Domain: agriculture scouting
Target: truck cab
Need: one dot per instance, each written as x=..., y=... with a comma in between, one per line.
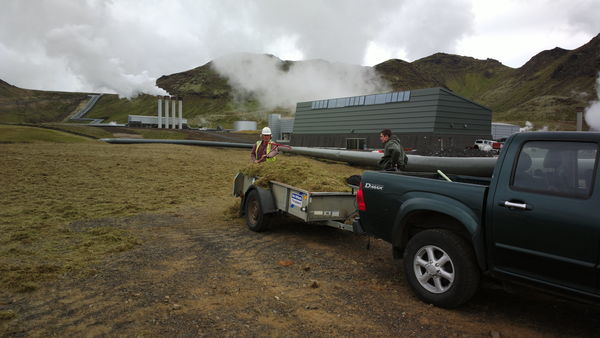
x=541, y=220
x=534, y=221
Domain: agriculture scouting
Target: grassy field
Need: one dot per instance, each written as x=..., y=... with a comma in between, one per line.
x=80, y=129
x=23, y=134
x=54, y=189
x=47, y=188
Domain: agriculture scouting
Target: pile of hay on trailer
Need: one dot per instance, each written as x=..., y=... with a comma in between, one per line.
x=304, y=173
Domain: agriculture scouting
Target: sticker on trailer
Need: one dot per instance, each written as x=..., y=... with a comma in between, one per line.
x=296, y=199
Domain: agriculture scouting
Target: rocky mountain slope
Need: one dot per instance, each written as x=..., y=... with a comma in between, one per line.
x=546, y=90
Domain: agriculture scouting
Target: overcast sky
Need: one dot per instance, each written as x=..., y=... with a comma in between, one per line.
x=123, y=46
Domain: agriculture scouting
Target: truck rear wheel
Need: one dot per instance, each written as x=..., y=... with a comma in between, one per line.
x=440, y=268
x=255, y=219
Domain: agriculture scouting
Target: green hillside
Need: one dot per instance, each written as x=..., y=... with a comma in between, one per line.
x=35, y=106
x=546, y=90
x=24, y=134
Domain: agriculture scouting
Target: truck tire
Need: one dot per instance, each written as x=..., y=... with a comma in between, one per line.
x=440, y=268
x=255, y=219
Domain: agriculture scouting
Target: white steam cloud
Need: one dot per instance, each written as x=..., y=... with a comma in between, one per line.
x=123, y=46
x=262, y=76
x=592, y=113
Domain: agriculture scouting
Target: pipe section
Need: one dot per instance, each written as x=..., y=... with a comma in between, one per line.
x=472, y=166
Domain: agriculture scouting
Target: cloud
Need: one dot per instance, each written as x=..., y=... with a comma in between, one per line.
x=592, y=113
x=263, y=77
x=514, y=31
x=124, y=45
x=422, y=28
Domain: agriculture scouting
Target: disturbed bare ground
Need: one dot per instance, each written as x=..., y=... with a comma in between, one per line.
x=198, y=271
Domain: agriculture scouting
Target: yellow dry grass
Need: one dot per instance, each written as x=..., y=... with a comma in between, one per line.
x=301, y=172
x=45, y=188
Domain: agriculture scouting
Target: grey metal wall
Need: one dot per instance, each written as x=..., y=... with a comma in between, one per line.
x=502, y=130
x=287, y=126
x=275, y=125
x=421, y=141
x=460, y=116
x=429, y=114
x=415, y=115
x=280, y=125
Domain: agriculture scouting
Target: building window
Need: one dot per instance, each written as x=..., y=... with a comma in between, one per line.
x=361, y=100
x=356, y=143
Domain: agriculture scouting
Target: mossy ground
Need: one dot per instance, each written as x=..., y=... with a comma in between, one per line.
x=48, y=189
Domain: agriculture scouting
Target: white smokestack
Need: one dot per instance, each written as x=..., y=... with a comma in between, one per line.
x=180, y=112
x=167, y=98
x=174, y=102
x=160, y=112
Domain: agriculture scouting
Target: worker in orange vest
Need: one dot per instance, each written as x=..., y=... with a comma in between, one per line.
x=264, y=150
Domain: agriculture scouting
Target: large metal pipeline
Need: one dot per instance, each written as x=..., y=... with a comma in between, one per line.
x=473, y=166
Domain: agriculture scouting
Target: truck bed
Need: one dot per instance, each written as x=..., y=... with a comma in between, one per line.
x=385, y=194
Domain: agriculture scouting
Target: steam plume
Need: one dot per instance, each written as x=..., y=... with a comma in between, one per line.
x=592, y=113
x=264, y=77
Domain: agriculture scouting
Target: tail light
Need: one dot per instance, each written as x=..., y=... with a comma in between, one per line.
x=360, y=199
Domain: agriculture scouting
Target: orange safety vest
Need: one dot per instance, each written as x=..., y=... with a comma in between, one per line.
x=267, y=151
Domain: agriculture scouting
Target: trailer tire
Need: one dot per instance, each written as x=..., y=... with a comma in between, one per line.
x=255, y=218
x=440, y=268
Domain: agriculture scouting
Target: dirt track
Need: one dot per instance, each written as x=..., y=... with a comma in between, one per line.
x=199, y=273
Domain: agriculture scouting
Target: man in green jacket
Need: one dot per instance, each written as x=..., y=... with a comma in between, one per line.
x=394, y=157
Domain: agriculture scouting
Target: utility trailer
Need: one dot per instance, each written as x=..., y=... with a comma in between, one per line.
x=259, y=205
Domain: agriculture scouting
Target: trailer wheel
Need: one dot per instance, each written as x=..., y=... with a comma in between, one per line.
x=440, y=268
x=255, y=219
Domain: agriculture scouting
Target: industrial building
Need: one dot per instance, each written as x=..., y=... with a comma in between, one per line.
x=172, y=119
x=153, y=122
x=281, y=127
x=244, y=125
x=503, y=130
x=432, y=118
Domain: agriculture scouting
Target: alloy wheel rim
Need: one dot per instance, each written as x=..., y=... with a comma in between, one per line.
x=434, y=269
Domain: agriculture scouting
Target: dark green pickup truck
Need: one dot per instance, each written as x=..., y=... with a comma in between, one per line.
x=536, y=220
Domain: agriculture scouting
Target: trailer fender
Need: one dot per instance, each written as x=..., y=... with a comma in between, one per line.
x=267, y=201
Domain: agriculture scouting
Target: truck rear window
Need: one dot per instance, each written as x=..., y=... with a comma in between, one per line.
x=556, y=168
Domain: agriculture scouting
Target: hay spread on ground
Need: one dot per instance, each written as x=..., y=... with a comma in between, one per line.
x=304, y=173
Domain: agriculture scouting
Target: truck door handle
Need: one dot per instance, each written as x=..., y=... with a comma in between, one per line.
x=508, y=204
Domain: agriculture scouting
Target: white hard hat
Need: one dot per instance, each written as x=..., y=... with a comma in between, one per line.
x=266, y=131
